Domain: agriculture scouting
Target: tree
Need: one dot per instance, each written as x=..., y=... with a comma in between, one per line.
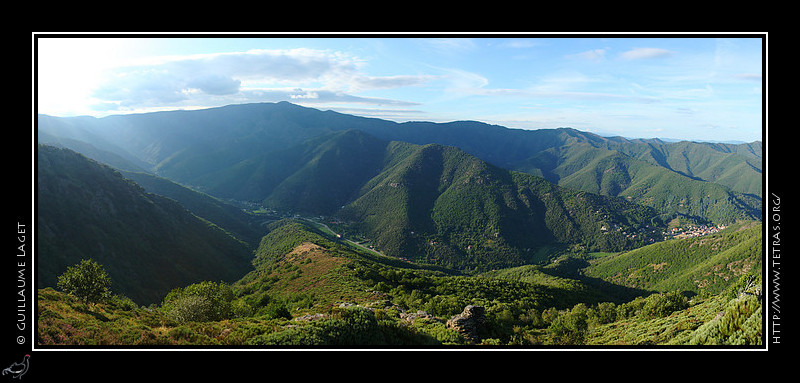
x=570, y=328
x=87, y=281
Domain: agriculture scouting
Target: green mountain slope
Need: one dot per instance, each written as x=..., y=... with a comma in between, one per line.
x=238, y=152
x=702, y=264
x=440, y=205
x=149, y=244
x=738, y=167
x=433, y=203
x=584, y=166
x=331, y=174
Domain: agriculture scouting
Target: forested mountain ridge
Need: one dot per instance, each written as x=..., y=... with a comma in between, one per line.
x=609, y=172
x=198, y=148
x=431, y=204
x=436, y=204
x=440, y=205
x=150, y=244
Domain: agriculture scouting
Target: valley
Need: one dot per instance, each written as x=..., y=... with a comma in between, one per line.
x=306, y=228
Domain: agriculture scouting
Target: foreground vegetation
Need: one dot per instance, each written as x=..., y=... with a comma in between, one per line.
x=308, y=290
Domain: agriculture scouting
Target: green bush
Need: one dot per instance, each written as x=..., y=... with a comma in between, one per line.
x=662, y=305
x=294, y=336
x=606, y=312
x=657, y=305
x=122, y=302
x=199, y=302
x=275, y=310
x=570, y=328
x=345, y=327
x=87, y=281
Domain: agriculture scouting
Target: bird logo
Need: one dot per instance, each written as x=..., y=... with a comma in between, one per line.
x=18, y=369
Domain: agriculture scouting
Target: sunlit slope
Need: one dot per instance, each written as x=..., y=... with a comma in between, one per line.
x=701, y=264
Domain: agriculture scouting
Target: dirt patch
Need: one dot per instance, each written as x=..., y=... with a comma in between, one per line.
x=306, y=247
x=658, y=267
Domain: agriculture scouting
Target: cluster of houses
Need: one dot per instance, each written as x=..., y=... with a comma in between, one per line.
x=692, y=231
x=674, y=233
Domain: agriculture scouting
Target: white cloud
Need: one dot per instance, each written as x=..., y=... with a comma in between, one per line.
x=749, y=76
x=645, y=53
x=388, y=82
x=252, y=76
x=451, y=45
x=520, y=43
x=593, y=54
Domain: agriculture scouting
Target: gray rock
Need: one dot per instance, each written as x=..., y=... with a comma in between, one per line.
x=469, y=323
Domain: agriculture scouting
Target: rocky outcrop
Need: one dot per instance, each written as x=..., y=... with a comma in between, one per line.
x=469, y=323
x=411, y=317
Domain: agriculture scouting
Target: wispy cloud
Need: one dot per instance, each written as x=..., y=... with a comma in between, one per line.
x=520, y=43
x=748, y=76
x=450, y=45
x=592, y=54
x=256, y=75
x=645, y=53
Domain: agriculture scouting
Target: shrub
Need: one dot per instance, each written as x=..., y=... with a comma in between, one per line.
x=200, y=302
x=571, y=327
x=87, y=281
x=294, y=336
x=654, y=306
x=347, y=327
x=275, y=310
x=122, y=302
x=662, y=305
x=606, y=312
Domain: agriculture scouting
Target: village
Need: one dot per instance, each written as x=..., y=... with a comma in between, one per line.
x=673, y=233
x=692, y=231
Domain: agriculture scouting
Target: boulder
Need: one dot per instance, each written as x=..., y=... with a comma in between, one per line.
x=469, y=323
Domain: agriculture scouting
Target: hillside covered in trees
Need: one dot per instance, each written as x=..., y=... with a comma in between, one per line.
x=310, y=290
x=278, y=226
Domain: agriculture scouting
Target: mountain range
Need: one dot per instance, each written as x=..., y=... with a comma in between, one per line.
x=464, y=195
x=211, y=148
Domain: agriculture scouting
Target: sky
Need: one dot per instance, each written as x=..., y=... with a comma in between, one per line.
x=694, y=87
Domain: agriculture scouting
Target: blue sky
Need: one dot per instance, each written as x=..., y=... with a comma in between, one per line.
x=685, y=87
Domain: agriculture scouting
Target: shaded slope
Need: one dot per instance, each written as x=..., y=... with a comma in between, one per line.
x=230, y=218
x=149, y=244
